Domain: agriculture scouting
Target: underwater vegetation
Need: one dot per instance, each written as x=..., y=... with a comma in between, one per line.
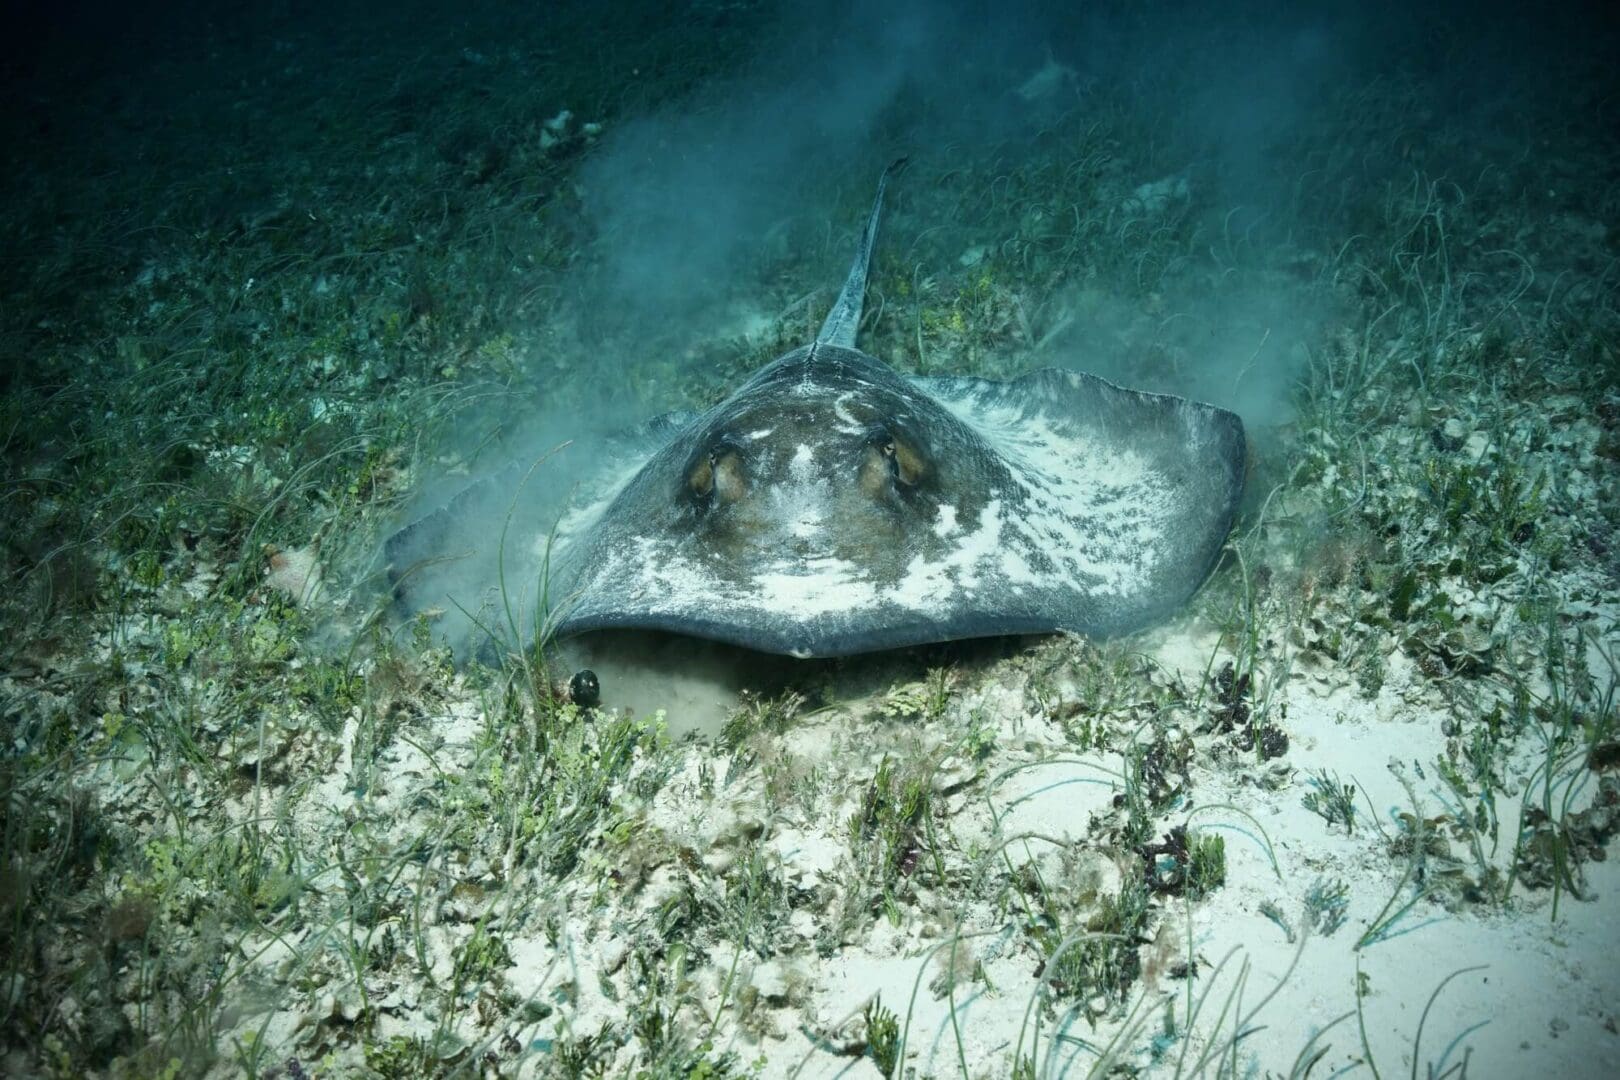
x=275, y=284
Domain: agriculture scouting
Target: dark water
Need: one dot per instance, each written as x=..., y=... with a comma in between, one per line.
x=394, y=159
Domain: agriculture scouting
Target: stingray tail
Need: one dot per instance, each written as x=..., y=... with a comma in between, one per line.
x=845, y=317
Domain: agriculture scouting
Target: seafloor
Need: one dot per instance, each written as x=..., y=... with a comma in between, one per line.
x=275, y=275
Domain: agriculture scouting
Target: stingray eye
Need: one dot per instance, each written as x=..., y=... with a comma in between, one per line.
x=905, y=462
x=718, y=476
x=701, y=478
x=889, y=462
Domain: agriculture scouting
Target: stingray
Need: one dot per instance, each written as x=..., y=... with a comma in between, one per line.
x=832, y=505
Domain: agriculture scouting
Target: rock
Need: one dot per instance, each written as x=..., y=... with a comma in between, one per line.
x=771, y=980
x=344, y=1007
x=1158, y=195
x=610, y=957
x=1450, y=435
x=953, y=775
x=1046, y=81
x=295, y=574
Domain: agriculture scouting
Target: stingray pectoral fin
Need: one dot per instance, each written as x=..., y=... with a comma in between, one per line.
x=1127, y=496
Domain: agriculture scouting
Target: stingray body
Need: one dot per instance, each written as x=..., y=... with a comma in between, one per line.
x=833, y=506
